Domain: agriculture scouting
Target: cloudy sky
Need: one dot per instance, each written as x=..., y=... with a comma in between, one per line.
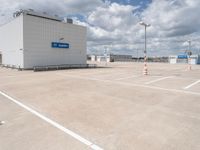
x=114, y=24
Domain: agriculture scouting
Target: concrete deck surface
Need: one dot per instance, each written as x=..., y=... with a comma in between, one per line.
x=115, y=108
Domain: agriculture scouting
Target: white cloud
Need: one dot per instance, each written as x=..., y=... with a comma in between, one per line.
x=173, y=17
x=114, y=16
x=112, y=23
x=173, y=22
x=59, y=7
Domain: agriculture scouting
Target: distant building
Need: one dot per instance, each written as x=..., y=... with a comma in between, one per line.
x=103, y=58
x=93, y=57
x=195, y=59
x=183, y=58
x=121, y=57
x=173, y=59
x=111, y=58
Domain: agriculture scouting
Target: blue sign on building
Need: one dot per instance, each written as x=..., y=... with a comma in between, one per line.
x=182, y=56
x=59, y=45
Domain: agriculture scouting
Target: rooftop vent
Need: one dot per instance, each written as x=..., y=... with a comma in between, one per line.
x=68, y=20
x=18, y=13
x=30, y=10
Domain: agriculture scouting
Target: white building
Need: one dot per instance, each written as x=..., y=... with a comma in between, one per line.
x=173, y=59
x=183, y=58
x=93, y=57
x=33, y=39
x=195, y=59
x=103, y=58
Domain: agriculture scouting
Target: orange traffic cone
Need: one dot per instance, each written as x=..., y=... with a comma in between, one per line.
x=189, y=64
x=145, y=70
x=189, y=67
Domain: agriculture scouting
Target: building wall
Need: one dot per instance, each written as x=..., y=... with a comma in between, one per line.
x=0, y=58
x=93, y=58
x=121, y=57
x=173, y=60
x=11, y=43
x=40, y=32
x=195, y=59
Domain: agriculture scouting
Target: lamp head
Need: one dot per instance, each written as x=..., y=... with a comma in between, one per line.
x=144, y=24
x=148, y=25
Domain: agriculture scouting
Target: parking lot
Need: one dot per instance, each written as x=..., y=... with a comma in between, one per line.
x=113, y=107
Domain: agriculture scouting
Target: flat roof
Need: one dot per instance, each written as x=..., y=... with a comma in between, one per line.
x=113, y=107
x=42, y=15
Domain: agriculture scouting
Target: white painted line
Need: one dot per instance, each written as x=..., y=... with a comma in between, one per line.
x=155, y=76
x=126, y=78
x=160, y=79
x=110, y=74
x=189, y=86
x=131, y=84
x=17, y=76
x=53, y=123
x=93, y=73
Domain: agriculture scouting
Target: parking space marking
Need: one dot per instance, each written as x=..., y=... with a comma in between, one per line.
x=160, y=79
x=110, y=74
x=93, y=73
x=131, y=84
x=189, y=86
x=133, y=76
x=18, y=75
x=53, y=123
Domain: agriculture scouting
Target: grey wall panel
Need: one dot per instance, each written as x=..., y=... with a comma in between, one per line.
x=11, y=42
x=40, y=32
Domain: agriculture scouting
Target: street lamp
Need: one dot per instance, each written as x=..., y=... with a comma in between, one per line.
x=145, y=70
x=105, y=54
x=189, y=53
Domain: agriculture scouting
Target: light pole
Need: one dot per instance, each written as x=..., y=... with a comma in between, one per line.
x=145, y=70
x=137, y=55
x=189, y=53
x=105, y=54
